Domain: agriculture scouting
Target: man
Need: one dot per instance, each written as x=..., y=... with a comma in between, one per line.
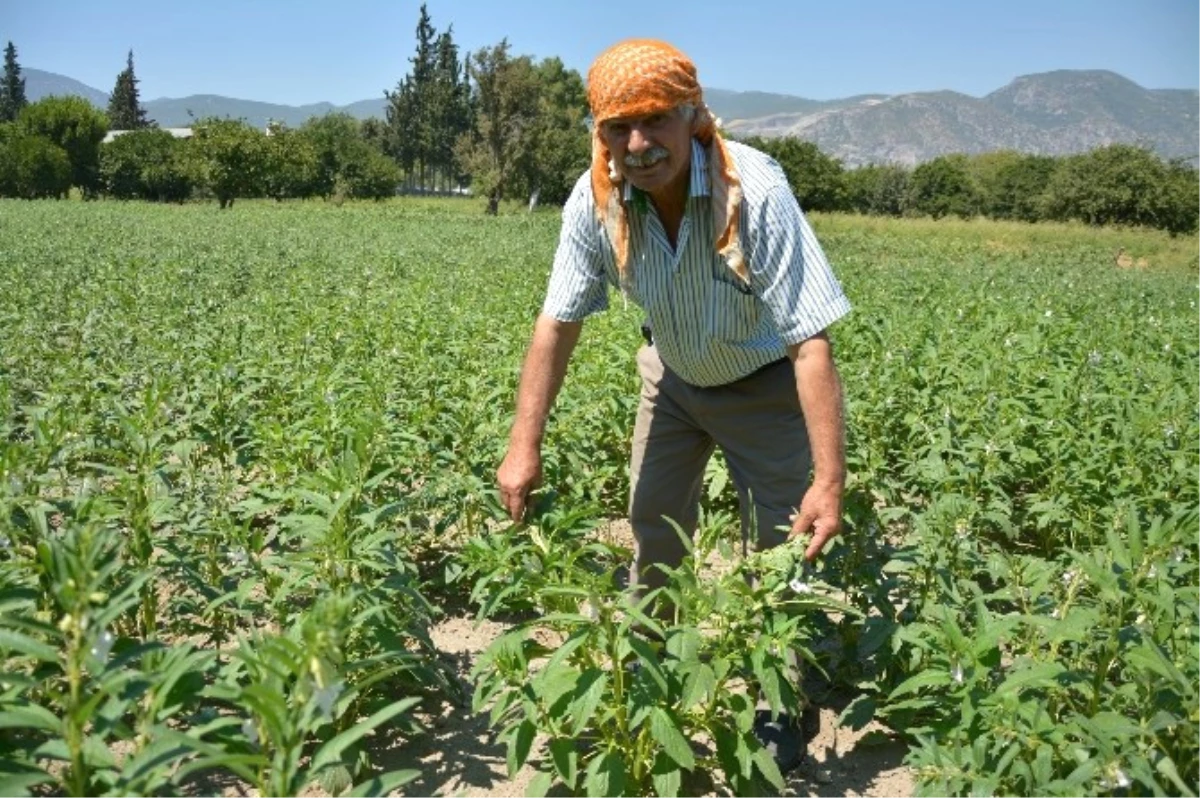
x=706, y=237
x=740, y=356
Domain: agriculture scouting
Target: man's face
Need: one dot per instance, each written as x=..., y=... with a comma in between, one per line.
x=653, y=152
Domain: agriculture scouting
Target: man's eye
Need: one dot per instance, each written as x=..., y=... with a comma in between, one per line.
x=654, y=120
x=618, y=129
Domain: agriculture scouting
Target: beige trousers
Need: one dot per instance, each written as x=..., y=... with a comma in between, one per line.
x=760, y=428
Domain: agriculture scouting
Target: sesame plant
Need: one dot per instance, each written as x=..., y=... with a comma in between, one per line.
x=247, y=463
x=637, y=694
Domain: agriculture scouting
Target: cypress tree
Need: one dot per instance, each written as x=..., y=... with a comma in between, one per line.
x=12, y=90
x=124, y=110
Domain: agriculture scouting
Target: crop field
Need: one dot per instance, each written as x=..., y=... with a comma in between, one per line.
x=247, y=459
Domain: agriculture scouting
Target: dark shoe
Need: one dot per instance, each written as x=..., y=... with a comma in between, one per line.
x=782, y=737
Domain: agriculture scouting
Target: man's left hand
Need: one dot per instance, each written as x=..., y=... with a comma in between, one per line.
x=821, y=514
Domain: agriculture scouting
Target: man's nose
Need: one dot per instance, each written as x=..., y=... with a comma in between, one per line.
x=638, y=140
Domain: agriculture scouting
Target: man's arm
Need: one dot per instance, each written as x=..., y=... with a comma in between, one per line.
x=820, y=391
x=541, y=377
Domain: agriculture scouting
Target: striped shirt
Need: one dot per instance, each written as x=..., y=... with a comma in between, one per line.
x=710, y=327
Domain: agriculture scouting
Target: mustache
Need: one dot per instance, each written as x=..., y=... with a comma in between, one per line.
x=648, y=158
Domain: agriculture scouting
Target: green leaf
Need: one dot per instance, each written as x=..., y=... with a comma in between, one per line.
x=30, y=716
x=19, y=783
x=383, y=783
x=589, y=691
x=331, y=752
x=928, y=678
x=519, y=744
x=1042, y=674
x=665, y=730
x=606, y=775
x=666, y=776
x=858, y=713
x=765, y=763
x=20, y=644
x=699, y=684
x=564, y=755
x=1166, y=767
x=539, y=785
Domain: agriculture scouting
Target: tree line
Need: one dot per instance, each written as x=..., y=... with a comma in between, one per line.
x=1120, y=184
x=510, y=127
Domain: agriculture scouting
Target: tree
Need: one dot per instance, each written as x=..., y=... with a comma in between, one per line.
x=498, y=152
x=292, y=167
x=943, y=187
x=145, y=164
x=1117, y=184
x=1013, y=184
x=228, y=158
x=879, y=190
x=563, y=144
x=31, y=166
x=347, y=164
x=815, y=178
x=124, y=110
x=12, y=90
x=72, y=123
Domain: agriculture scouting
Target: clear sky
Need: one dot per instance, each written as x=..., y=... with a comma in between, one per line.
x=342, y=51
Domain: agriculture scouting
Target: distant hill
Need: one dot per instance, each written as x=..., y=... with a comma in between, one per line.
x=39, y=84
x=1051, y=113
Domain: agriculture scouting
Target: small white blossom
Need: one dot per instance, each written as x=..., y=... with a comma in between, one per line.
x=1095, y=358
x=237, y=557
x=1056, y=614
x=327, y=696
x=800, y=586
x=1068, y=577
x=250, y=731
x=103, y=645
x=956, y=673
x=1115, y=778
x=1049, y=313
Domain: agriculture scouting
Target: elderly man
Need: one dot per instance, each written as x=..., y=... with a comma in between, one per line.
x=706, y=237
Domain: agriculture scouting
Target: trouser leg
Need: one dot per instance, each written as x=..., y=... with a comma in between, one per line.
x=670, y=451
x=760, y=429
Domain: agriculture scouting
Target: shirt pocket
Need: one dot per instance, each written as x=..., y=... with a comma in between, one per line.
x=733, y=312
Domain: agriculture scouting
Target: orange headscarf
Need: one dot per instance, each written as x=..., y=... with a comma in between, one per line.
x=645, y=76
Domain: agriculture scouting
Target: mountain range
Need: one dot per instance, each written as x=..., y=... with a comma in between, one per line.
x=1048, y=113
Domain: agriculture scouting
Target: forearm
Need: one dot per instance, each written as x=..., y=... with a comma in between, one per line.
x=820, y=391
x=541, y=378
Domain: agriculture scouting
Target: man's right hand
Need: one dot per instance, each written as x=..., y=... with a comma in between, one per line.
x=519, y=474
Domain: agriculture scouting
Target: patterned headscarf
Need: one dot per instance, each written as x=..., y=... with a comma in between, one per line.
x=646, y=76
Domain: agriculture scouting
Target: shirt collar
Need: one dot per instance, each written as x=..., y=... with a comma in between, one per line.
x=698, y=179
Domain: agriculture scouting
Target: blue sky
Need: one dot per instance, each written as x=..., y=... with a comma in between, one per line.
x=342, y=51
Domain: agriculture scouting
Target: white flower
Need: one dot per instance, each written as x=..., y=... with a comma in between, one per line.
x=800, y=586
x=1068, y=577
x=250, y=731
x=1049, y=313
x=956, y=673
x=1094, y=358
x=1115, y=778
x=327, y=696
x=1056, y=614
x=103, y=645
x=237, y=557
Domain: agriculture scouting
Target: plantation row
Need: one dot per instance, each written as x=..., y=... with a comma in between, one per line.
x=246, y=463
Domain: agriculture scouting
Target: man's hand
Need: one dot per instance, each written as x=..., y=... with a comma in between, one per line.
x=519, y=474
x=821, y=514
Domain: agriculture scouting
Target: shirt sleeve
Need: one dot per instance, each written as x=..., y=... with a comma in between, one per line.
x=578, y=285
x=789, y=271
